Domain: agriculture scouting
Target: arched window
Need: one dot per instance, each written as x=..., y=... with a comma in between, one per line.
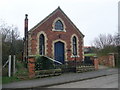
x=59, y=25
x=74, y=46
x=42, y=44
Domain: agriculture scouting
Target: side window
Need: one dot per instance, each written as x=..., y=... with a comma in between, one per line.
x=74, y=43
x=42, y=45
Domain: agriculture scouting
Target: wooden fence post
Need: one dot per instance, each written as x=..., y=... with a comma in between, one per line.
x=14, y=65
x=9, y=66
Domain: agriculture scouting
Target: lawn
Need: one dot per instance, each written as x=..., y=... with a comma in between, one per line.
x=9, y=79
x=90, y=54
x=21, y=74
x=0, y=80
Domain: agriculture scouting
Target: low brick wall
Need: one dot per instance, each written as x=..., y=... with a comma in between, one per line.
x=81, y=69
x=47, y=73
x=107, y=60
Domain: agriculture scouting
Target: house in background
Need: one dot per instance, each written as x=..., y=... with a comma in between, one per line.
x=56, y=37
x=89, y=54
x=89, y=50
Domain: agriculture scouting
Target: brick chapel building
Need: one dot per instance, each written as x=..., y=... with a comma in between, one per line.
x=56, y=37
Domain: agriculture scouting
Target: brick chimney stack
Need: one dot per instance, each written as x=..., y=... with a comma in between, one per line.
x=26, y=39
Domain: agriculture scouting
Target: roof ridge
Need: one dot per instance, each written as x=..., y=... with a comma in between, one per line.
x=53, y=13
x=44, y=19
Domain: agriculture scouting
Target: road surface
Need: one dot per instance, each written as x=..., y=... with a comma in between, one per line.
x=62, y=79
x=110, y=81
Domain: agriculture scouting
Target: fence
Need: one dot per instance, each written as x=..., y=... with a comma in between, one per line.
x=10, y=65
x=69, y=66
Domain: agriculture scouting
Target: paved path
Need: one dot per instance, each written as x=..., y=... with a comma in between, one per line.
x=64, y=78
x=102, y=67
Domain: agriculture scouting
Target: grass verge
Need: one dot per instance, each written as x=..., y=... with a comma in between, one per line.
x=6, y=79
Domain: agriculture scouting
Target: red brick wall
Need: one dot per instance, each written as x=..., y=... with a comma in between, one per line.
x=53, y=35
x=104, y=60
x=107, y=60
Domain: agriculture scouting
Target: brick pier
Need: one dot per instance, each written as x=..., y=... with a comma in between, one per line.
x=31, y=66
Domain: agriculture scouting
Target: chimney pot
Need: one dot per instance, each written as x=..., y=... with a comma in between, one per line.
x=26, y=15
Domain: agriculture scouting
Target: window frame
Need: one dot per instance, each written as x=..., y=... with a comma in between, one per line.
x=78, y=44
x=53, y=25
x=74, y=43
x=59, y=25
x=42, y=44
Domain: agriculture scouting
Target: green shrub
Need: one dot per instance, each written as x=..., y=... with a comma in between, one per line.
x=21, y=72
x=5, y=71
x=106, y=50
x=19, y=65
x=117, y=60
x=43, y=63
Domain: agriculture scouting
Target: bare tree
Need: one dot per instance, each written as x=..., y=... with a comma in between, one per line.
x=105, y=44
x=10, y=37
x=6, y=32
x=116, y=39
x=103, y=40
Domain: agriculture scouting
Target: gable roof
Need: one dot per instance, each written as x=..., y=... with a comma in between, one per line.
x=58, y=9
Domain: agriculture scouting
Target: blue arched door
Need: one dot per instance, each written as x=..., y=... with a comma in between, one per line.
x=59, y=51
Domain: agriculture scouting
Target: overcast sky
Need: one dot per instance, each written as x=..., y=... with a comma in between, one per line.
x=92, y=17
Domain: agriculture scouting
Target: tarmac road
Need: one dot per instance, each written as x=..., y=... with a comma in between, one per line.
x=110, y=81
